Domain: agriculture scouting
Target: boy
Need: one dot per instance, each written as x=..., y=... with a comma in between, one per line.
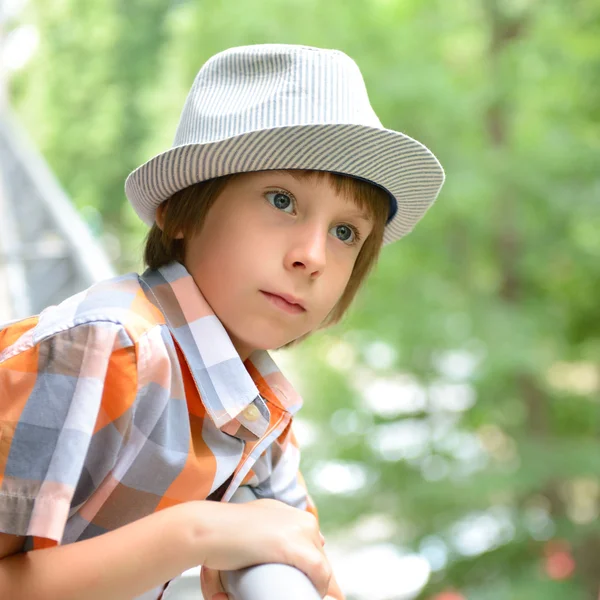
x=133, y=411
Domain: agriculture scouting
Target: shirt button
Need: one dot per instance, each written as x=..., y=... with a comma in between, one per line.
x=251, y=413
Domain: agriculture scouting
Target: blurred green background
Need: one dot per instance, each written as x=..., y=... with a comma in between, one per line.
x=451, y=425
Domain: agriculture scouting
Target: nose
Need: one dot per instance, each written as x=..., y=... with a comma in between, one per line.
x=307, y=251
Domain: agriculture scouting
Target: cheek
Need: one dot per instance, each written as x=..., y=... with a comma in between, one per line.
x=223, y=262
x=216, y=263
x=225, y=243
x=237, y=234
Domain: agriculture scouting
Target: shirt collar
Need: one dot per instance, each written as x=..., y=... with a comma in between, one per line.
x=225, y=383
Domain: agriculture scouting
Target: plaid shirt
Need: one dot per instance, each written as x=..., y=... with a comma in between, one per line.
x=128, y=398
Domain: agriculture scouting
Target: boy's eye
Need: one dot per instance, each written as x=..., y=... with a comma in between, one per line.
x=285, y=202
x=281, y=201
x=345, y=234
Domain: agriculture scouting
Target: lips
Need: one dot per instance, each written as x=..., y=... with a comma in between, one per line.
x=285, y=302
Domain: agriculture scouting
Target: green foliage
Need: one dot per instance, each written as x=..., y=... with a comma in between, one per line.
x=504, y=270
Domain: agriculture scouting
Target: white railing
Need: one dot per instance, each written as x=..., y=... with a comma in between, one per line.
x=47, y=252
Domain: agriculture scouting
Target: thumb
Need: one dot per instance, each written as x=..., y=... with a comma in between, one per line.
x=212, y=588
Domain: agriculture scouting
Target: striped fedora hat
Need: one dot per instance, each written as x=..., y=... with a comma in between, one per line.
x=280, y=106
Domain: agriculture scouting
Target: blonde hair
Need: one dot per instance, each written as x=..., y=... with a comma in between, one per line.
x=186, y=212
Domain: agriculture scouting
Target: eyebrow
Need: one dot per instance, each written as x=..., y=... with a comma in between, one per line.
x=364, y=215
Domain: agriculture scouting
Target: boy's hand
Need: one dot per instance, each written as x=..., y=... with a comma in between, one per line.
x=212, y=588
x=260, y=532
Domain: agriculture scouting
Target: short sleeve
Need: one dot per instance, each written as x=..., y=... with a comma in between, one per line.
x=286, y=482
x=50, y=395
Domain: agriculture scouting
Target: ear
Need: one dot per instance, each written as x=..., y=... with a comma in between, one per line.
x=160, y=217
x=160, y=214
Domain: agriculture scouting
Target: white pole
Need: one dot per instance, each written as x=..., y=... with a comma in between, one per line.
x=3, y=93
x=5, y=309
x=14, y=300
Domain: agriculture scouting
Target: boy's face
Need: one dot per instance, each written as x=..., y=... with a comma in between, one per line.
x=270, y=235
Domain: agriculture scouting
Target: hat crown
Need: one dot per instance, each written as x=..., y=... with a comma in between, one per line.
x=250, y=88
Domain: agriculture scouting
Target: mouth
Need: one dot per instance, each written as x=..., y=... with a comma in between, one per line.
x=285, y=302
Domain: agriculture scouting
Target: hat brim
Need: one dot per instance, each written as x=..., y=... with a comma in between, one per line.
x=403, y=166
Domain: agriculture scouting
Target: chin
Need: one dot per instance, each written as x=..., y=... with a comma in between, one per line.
x=262, y=339
x=270, y=342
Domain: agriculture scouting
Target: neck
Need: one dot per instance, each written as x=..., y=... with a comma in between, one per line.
x=243, y=349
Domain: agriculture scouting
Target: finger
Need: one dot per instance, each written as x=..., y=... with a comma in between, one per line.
x=212, y=588
x=318, y=570
x=322, y=539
